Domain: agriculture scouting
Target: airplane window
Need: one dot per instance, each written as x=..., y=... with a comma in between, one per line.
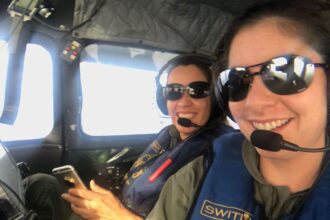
x=35, y=114
x=119, y=90
x=3, y=73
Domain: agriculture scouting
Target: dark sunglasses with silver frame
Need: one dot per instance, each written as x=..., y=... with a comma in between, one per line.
x=196, y=90
x=284, y=75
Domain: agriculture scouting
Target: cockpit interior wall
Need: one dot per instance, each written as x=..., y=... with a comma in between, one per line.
x=179, y=25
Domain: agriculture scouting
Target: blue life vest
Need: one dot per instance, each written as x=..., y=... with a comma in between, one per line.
x=142, y=187
x=228, y=189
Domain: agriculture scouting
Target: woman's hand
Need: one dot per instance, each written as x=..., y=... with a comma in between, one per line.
x=97, y=204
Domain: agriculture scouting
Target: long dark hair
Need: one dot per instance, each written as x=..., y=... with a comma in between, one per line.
x=306, y=19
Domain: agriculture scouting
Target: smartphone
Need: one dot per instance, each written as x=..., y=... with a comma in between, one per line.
x=68, y=176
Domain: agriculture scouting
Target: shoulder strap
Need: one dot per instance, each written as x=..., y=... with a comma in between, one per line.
x=154, y=150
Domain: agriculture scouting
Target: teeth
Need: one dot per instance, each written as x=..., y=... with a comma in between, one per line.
x=185, y=115
x=270, y=125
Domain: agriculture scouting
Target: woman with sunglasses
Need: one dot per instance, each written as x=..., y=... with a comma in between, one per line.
x=188, y=98
x=277, y=89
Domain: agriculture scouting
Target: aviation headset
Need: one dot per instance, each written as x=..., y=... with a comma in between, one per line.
x=222, y=99
x=183, y=60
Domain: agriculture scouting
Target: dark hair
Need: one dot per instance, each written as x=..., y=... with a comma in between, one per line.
x=306, y=19
x=201, y=62
x=303, y=18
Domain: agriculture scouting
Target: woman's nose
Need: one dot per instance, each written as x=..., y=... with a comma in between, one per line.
x=259, y=95
x=185, y=99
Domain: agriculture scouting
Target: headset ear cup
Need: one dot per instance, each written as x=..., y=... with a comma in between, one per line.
x=222, y=101
x=215, y=110
x=219, y=106
x=161, y=101
x=328, y=99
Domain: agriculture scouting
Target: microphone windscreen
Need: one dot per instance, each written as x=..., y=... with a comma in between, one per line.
x=266, y=140
x=185, y=122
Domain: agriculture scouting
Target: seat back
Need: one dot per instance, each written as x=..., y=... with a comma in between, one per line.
x=11, y=187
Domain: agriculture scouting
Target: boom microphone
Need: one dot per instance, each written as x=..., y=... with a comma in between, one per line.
x=271, y=141
x=185, y=122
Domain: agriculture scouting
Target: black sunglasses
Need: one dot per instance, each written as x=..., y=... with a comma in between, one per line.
x=196, y=90
x=284, y=75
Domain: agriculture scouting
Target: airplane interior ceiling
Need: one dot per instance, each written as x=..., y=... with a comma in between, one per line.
x=174, y=25
x=183, y=26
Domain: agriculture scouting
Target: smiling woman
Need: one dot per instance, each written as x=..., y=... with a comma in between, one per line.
x=277, y=55
x=189, y=105
x=87, y=96
x=187, y=94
